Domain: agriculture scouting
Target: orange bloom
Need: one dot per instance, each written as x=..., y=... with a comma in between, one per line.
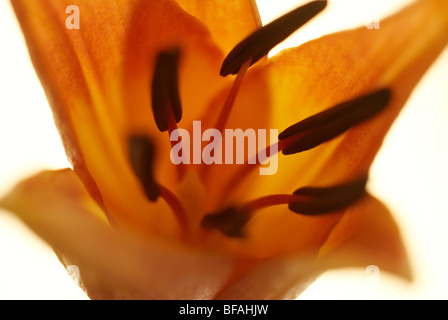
x=136, y=225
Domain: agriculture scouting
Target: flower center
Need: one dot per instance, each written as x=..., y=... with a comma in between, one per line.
x=304, y=135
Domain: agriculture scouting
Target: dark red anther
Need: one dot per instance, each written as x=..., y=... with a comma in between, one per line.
x=165, y=89
x=330, y=123
x=260, y=42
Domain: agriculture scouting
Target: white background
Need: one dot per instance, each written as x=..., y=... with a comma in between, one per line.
x=410, y=173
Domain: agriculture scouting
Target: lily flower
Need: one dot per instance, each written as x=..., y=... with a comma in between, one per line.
x=140, y=227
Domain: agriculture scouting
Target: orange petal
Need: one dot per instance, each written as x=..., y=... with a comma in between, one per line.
x=339, y=67
x=278, y=230
x=96, y=80
x=112, y=264
x=366, y=235
x=162, y=24
x=283, y=277
x=228, y=21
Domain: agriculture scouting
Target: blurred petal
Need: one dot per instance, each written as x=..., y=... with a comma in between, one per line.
x=283, y=277
x=57, y=207
x=228, y=21
x=113, y=264
x=366, y=235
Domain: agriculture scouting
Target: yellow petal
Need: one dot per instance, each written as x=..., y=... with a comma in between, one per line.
x=113, y=264
x=228, y=21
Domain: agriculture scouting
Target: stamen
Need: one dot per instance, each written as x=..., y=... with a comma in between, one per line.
x=230, y=221
x=242, y=173
x=306, y=201
x=172, y=126
x=230, y=101
x=142, y=154
x=269, y=201
x=330, y=123
x=165, y=91
x=228, y=105
x=318, y=129
x=176, y=207
x=260, y=42
x=315, y=201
